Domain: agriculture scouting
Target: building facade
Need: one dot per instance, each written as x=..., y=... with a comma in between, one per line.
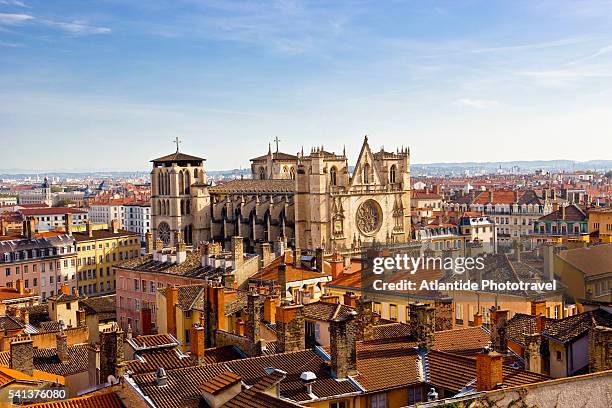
x=320, y=204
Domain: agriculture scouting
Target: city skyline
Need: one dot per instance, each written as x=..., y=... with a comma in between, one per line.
x=109, y=85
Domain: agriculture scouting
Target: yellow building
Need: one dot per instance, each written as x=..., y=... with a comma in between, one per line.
x=587, y=272
x=98, y=251
x=600, y=225
x=178, y=309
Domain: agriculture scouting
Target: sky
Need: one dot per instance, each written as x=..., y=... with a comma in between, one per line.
x=109, y=84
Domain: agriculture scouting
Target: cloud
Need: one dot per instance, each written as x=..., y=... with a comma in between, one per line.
x=14, y=18
x=78, y=27
x=602, y=51
x=476, y=103
x=15, y=3
x=563, y=77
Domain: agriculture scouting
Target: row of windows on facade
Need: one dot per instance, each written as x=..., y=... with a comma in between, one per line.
x=26, y=254
x=563, y=229
x=134, y=305
x=163, y=207
x=92, y=288
x=43, y=268
x=91, y=260
x=608, y=226
x=509, y=209
x=184, y=182
x=93, y=273
x=139, y=284
x=75, y=217
x=121, y=242
x=43, y=282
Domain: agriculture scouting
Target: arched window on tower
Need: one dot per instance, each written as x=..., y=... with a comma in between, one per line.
x=181, y=182
x=187, y=206
x=366, y=173
x=392, y=174
x=187, y=182
x=292, y=173
x=262, y=173
x=195, y=176
x=333, y=176
x=182, y=207
x=159, y=184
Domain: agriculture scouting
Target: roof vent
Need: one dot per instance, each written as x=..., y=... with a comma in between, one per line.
x=160, y=377
x=308, y=378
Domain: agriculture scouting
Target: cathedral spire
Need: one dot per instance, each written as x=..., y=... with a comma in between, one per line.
x=269, y=149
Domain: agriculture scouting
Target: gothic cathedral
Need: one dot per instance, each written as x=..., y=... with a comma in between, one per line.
x=309, y=201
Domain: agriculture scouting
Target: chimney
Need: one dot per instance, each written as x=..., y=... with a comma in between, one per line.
x=297, y=256
x=3, y=227
x=215, y=317
x=364, y=320
x=350, y=299
x=538, y=307
x=270, y=310
x=161, y=379
x=549, y=262
x=279, y=247
x=540, y=323
x=19, y=286
x=65, y=289
x=129, y=333
x=22, y=354
x=319, y=259
x=343, y=346
x=290, y=328
x=237, y=252
x=253, y=318
x=146, y=319
x=533, y=355
x=81, y=318
x=282, y=280
x=517, y=250
x=68, y=223
x=198, y=342
x=171, y=302
x=181, y=252
x=477, y=320
x=149, y=241
x=93, y=363
x=25, y=315
x=266, y=254
x=422, y=320
x=600, y=352
x=488, y=370
x=88, y=229
x=562, y=212
x=159, y=246
x=499, y=323
x=329, y=298
x=337, y=266
x=30, y=228
x=111, y=352
x=114, y=227
x=62, y=346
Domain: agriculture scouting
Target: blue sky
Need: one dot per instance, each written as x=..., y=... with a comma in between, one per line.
x=108, y=84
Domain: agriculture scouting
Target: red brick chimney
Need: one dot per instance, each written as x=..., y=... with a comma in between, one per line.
x=270, y=310
x=114, y=227
x=540, y=324
x=489, y=372
x=19, y=286
x=171, y=302
x=337, y=266
x=68, y=223
x=65, y=289
x=477, y=319
x=198, y=345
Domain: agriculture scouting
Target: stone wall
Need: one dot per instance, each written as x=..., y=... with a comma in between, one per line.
x=75, y=335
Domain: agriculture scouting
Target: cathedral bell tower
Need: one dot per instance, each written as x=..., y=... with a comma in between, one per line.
x=177, y=181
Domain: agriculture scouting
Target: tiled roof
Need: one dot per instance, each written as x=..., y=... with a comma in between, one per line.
x=104, y=399
x=153, y=341
x=465, y=341
x=573, y=327
x=148, y=361
x=277, y=156
x=47, y=360
x=220, y=382
x=10, y=323
x=256, y=399
x=324, y=311
x=592, y=261
x=572, y=213
x=248, y=186
x=82, y=236
x=101, y=305
x=191, y=296
x=454, y=372
x=293, y=273
x=391, y=330
x=182, y=384
x=386, y=368
x=521, y=324
x=51, y=211
x=63, y=298
x=177, y=157
x=423, y=195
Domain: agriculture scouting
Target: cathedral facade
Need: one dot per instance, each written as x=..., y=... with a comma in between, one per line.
x=309, y=201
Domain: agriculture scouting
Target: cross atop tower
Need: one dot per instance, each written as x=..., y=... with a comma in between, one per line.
x=276, y=140
x=177, y=141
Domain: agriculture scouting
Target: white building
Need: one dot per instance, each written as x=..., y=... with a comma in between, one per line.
x=138, y=218
x=50, y=218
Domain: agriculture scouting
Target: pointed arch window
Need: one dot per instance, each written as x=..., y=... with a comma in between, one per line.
x=292, y=173
x=181, y=182
x=366, y=173
x=333, y=176
x=393, y=174
x=262, y=173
